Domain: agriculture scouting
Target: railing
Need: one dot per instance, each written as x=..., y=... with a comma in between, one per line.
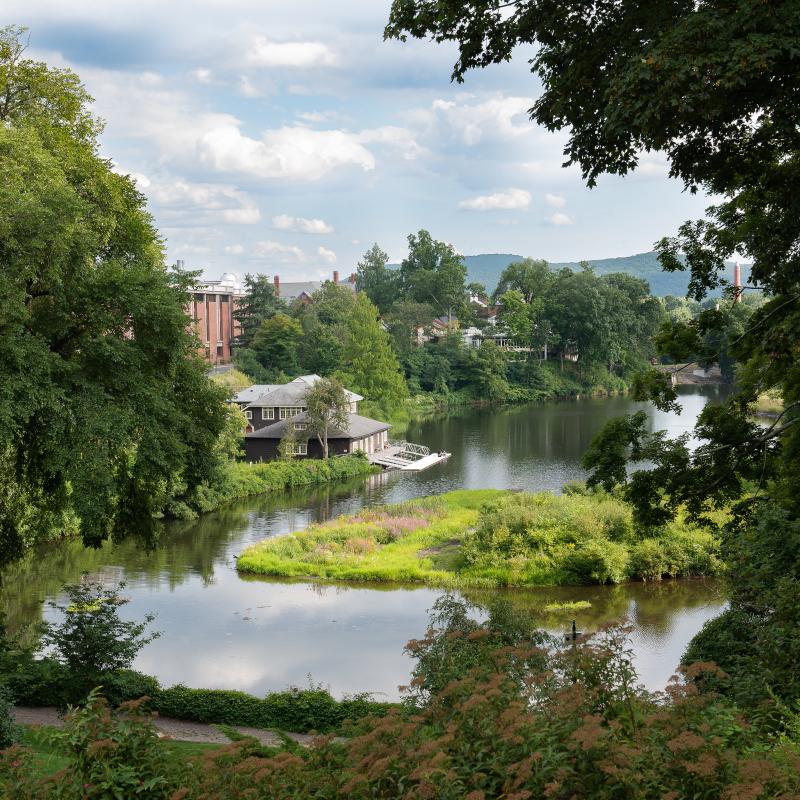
x=408, y=451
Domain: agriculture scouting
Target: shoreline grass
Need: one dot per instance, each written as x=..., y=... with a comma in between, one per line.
x=488, y=539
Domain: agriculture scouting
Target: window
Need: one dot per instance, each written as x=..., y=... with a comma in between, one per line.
x=291, y=411
x=299, y=449
x=267, y=413
x=301, y=426
x=248, y=414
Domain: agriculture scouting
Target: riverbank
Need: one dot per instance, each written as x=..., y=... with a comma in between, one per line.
x=543, y=382
x=488, y=538
x=240, y=480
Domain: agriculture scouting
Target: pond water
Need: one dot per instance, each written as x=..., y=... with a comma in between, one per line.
x=221, y=630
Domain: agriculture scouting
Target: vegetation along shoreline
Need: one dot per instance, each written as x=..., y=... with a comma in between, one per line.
x=490, y=538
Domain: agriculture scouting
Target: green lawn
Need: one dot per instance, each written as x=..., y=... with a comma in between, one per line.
x=49, y=756
x=488, y=538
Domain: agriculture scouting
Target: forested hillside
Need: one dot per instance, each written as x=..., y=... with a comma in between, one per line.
x=486, y=269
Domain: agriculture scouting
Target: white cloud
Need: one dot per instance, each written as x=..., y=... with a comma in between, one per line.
x=293, y=153
x=235, y=249
x=316, y=116
x=497, y=117
x=555, y=200
x=401, y=139
x=284, y=222
x=202, y=75
x=509, y=199
x=560, y=218
x=282, y=253
x=264, y=53
x=246, y=88
x=327, y=255
x=242, y=216
x=199, y=203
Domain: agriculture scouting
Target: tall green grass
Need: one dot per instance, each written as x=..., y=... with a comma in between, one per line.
x=489, y=538
x=241, y=479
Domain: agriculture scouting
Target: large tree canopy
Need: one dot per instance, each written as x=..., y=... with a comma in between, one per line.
x=715, y=86
x=103, y=401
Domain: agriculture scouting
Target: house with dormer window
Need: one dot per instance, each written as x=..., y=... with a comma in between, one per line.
x=275, y=412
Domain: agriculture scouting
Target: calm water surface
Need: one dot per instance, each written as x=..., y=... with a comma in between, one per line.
x=223, y=630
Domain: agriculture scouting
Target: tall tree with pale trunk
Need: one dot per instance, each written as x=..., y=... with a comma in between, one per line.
x=327, y=407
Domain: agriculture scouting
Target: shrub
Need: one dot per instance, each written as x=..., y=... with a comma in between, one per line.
x=92, y=640
x=648, y=560
x=291, y=710
x=127, y=684
x=114, y=756
x=8, y=730
x=597, y=561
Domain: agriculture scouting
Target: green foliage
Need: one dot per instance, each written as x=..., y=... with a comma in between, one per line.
x=712, y=86
x=376, y=280
x=755, y=641
x=95, y=328
x=258, y=304
x=297, y=710
x=433, y=273
x=369, y=365
x=8, y=730
x=327, y=409
x=92, y=640
x=456, y=645
x=113, y=756
x=276, y=342
x=529, y=277
x=485, y=539
x=512, y=720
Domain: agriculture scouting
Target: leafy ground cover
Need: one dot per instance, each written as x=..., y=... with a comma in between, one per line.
x=240, y=479
x=489, y=538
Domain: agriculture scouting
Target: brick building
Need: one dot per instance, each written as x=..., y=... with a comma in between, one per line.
x=213, y=304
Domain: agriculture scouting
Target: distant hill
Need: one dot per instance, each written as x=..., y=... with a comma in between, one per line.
x=486, y=269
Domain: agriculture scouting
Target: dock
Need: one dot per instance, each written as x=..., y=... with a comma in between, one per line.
x=406, y=456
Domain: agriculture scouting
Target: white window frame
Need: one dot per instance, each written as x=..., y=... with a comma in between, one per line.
x=301, y=426
x=287, y=412
x=267, y=413
x=299, y=449
x=248, y=413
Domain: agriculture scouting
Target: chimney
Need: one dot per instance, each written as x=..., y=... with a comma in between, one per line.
x=352, y=277
x=737, y=283
x=336, y=276
x=277, y=281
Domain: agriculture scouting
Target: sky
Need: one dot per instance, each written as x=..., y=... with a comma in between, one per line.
x=285, y=137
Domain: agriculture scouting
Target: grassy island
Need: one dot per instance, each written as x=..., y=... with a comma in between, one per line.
x=489, y=538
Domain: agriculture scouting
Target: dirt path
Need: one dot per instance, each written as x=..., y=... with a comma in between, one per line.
x=173, y=728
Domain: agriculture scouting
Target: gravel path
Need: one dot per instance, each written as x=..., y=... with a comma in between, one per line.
x=173, y=728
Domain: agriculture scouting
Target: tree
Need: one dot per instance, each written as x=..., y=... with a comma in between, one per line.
x=376, y=280
x=713, y=86
x=327, y=408
x=530, y=277
x=258, y=304
x=92, y=640
x=370, y=366
x=103, y=399
x=276, y=343
x=435, y=274
x=488, y=372
x=403, y=321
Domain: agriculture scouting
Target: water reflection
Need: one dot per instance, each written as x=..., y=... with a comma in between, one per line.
x=221, y=630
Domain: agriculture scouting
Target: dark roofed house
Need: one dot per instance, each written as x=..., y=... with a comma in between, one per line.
x=367, y=435
x=275, y=408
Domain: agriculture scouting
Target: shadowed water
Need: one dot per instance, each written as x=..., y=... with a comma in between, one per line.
x=254, y=634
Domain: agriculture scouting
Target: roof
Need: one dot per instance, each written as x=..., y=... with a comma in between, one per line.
x=294, y=289
x=254, y=392
x=357, y=428
x=291, y=394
